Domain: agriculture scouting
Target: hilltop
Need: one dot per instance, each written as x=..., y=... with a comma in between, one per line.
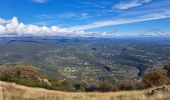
x=11, y=91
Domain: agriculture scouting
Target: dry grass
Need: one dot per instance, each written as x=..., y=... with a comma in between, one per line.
x=10, y=91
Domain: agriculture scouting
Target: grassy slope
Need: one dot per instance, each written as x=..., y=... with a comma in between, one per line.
x=10, y=91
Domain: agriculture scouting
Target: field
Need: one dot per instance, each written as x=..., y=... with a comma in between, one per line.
x=11, y=91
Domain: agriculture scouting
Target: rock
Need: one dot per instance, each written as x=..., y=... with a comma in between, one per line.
x=44, y=81
x=160, y=90
x=47, y=82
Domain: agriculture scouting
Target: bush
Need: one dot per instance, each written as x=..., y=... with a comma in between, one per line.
x=65, y=85
x=140, y=86
x=5, y=77
x=105, y=87
x=80, y=87
x=155, y=78
x=167, y=68
x=18, y=73
x=126, y=85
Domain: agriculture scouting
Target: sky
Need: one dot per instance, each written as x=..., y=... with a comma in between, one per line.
x=85, y=18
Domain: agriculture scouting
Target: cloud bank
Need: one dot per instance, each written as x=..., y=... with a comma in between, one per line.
x=14, y=27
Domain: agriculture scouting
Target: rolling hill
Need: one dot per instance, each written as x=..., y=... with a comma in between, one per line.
x=110, y=59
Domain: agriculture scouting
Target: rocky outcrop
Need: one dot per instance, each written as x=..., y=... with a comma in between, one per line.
x=160, y=90
x=44, y=81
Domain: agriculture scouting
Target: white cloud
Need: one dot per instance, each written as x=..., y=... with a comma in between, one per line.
x=2, y=21
x=40, y=1
x=73, y=15
x=147, y=17
x=14, y=27
x=44, y=16
x=67, y=15
x=131, y=4
x=84, y=16
x=2, y=29
x=155, y=31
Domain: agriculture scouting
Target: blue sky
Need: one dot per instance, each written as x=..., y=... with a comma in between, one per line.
x=103, y=18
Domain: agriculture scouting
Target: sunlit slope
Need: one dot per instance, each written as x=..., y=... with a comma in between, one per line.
x=10, y=91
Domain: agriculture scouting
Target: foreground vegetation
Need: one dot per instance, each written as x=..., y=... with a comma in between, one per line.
x=10, y=91
x=29, y=75
x=127, y=90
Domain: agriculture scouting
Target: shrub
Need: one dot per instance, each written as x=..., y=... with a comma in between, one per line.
x=155, y=78
x=126, y=85
x=80, y=87
x=140, y=86
x=91, y=89
x=5, y=77
x=65, y=86
x=18, y=73
x=105, y=87
x=167, y=68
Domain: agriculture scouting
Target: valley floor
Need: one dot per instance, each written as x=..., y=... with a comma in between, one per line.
x=11, y=91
